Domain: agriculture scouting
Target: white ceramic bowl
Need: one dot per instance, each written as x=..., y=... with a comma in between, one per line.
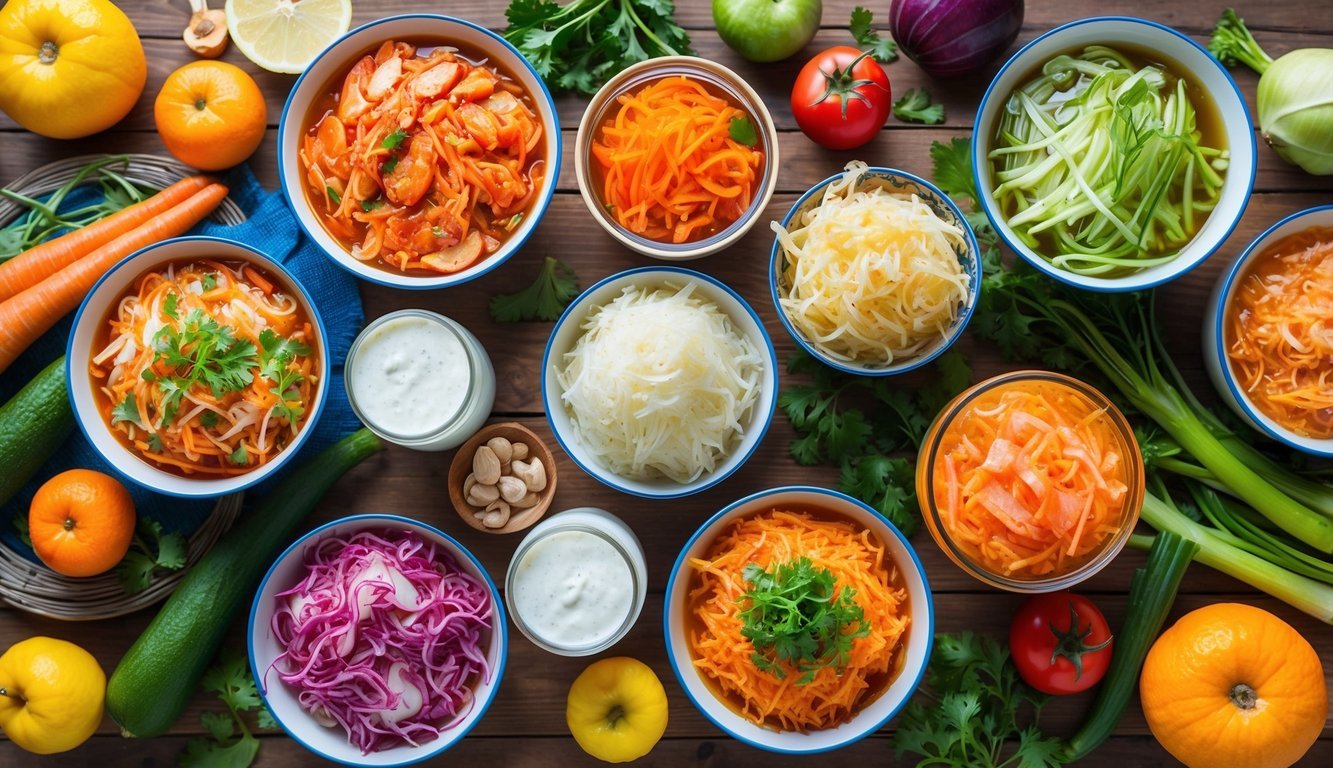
x=105, y=294
x=870, y=719
x=1202, y=69
x=635, y=77
x=331, y=743
x=567, y=332
x=898, y=182
x=335, y=60
x=1214, y=338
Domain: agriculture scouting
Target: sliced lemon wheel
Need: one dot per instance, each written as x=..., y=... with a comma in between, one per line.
x=286, y=35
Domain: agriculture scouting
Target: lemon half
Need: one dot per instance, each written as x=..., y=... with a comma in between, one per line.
x=286, y=35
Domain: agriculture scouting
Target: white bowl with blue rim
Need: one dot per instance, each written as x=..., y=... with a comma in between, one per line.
x=1199, y=67
x=337, y=59
x=566, y=334
x=918, y=638
x=969, y=256
x=331, y=742
x=97, y=306
x=1214, y=336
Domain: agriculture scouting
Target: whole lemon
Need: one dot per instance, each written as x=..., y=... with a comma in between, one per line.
x=51, y=694
x=68, y=68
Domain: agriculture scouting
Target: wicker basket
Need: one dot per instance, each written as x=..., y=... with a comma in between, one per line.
x=31, y=586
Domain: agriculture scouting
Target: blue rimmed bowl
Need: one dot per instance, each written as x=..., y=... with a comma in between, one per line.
x=566, y=334
x=870, y=718
x=106, y=294
x=331, y=742
x=337, y=59
x=969, y=255
x=1200, y=69
x=1214, y=334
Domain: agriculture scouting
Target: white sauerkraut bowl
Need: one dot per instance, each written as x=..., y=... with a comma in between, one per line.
x=569, y=329
x=969, y=257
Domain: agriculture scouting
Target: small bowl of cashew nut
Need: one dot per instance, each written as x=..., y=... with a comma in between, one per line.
x=502, y=479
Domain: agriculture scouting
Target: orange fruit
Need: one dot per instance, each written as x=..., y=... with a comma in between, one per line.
x=210, y=114
x=81, y=522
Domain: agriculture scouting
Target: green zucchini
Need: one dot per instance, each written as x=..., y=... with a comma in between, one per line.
x=32, y=426
x=154, y=681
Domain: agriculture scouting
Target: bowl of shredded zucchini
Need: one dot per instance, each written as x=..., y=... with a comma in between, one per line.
x=1113, y=154
x=874, y=271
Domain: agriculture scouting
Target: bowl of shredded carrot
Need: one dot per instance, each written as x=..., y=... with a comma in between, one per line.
x=197, y=367
x=1030, y=481
x=419, y=151
x=676, y=157
x=1268, y=332
x=798, y=620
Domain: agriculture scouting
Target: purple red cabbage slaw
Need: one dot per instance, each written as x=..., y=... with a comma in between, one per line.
x=386, y=636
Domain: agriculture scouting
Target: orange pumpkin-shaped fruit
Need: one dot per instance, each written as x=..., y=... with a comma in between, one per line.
x=210, y=114
x=1233, y=685
x=81, y=522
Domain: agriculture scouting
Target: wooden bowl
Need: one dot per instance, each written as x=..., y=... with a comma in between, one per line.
x=461, y=467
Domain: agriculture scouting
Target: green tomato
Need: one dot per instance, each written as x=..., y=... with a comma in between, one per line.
x=767, y=30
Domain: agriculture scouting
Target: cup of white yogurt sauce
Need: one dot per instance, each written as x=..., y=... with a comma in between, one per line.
x=577, y=582
x=420, y=380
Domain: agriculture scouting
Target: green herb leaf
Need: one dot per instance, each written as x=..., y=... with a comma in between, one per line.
x=208, y=418
x=209, y=281
x=882, y=49
x=169, y=306
x=388, y=165
x=394, y=139
x=199, y=351
x=126, y=410
x=742, y=130
x=229, y=744
x=155, y=443
x=21, y=529
x=151, y=551
x=952, y=169
x=915, y=107
x=333, y=195
x=370, y=205
x=545, y=299
x=888, y=485
x=239, y=456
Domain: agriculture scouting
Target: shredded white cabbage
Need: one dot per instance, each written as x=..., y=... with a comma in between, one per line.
x=871, y=276
x=660, y=383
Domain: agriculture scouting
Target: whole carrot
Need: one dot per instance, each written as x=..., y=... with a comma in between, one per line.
x=33, y=311
x=41, y=261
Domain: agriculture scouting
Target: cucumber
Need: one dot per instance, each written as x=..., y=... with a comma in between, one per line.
x=32, y=426
x=156, y=678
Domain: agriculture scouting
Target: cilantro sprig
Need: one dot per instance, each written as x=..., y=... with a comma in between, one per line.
x=151, y=551
x=275, y=364
x=797, y=618
x=199, y=351
x=915, y=107
x=881, y=49
x=545, y=299
x=230, y=743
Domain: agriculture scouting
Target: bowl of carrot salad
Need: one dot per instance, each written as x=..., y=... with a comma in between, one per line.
x=676, y=157
x=1030, y=481
x=1268, y=333
x=197, y=367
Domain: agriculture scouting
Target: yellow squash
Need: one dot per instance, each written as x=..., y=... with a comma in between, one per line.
x=51, y=694
x=1233, y=685
x=617, y=709
x=68, y=68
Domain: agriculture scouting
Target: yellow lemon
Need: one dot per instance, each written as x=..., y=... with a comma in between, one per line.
x=51, y=694
x=617, y=709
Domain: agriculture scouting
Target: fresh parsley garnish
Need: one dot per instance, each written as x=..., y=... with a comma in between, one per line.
x=275, y=364
x=545, y=299
x=155, y=443
x=126, y=410
x=239, y=456
x=388, y=165
x=333, y=195
x=151, y=551
x=882, y=49
x=208, y=419
x=394, y=139
x=169, y=307
x=742, y=130
x=209, y=281
x=915, y=107
x=974, y=710
x=229, y=743
x=797, y=618
x=200, y=351
x=581, y=44
x=952, y=169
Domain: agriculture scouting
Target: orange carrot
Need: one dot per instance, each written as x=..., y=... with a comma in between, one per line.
x=41, y=261
x=34, y=310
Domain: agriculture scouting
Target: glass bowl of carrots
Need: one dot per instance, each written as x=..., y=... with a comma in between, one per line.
x=676, y=157
x=1030, y=481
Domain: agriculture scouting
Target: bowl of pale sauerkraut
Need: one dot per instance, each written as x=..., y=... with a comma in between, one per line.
x=659, y=382
x=874, y=271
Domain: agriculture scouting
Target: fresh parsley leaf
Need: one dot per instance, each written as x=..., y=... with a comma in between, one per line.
x=239, y=456
x=545, y=299
x=155, y=443
x=152, y=550
x=333, y=195
x=882, y=49
x=169, y=306
x=388, y=165
x=915, y=107
x=126, y=410
x=199, y=351
x=888, y=485
x=209, y=281
x=394, y=139
x=952, y=169
x=742, y=130
x=229, y=743
x=208, y=418
x=799, y=620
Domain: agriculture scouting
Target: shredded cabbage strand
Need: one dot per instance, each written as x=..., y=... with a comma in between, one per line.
x=385, y=637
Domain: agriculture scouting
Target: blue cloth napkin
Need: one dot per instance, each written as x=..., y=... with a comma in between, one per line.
x=270, y=228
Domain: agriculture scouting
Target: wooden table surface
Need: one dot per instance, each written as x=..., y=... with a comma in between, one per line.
x=526, y=726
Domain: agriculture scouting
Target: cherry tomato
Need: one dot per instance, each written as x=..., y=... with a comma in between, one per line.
x=1060, y=643
x=841, y=98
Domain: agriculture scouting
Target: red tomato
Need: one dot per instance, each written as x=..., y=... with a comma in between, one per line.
x=841, y=98
x=1060, y=643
